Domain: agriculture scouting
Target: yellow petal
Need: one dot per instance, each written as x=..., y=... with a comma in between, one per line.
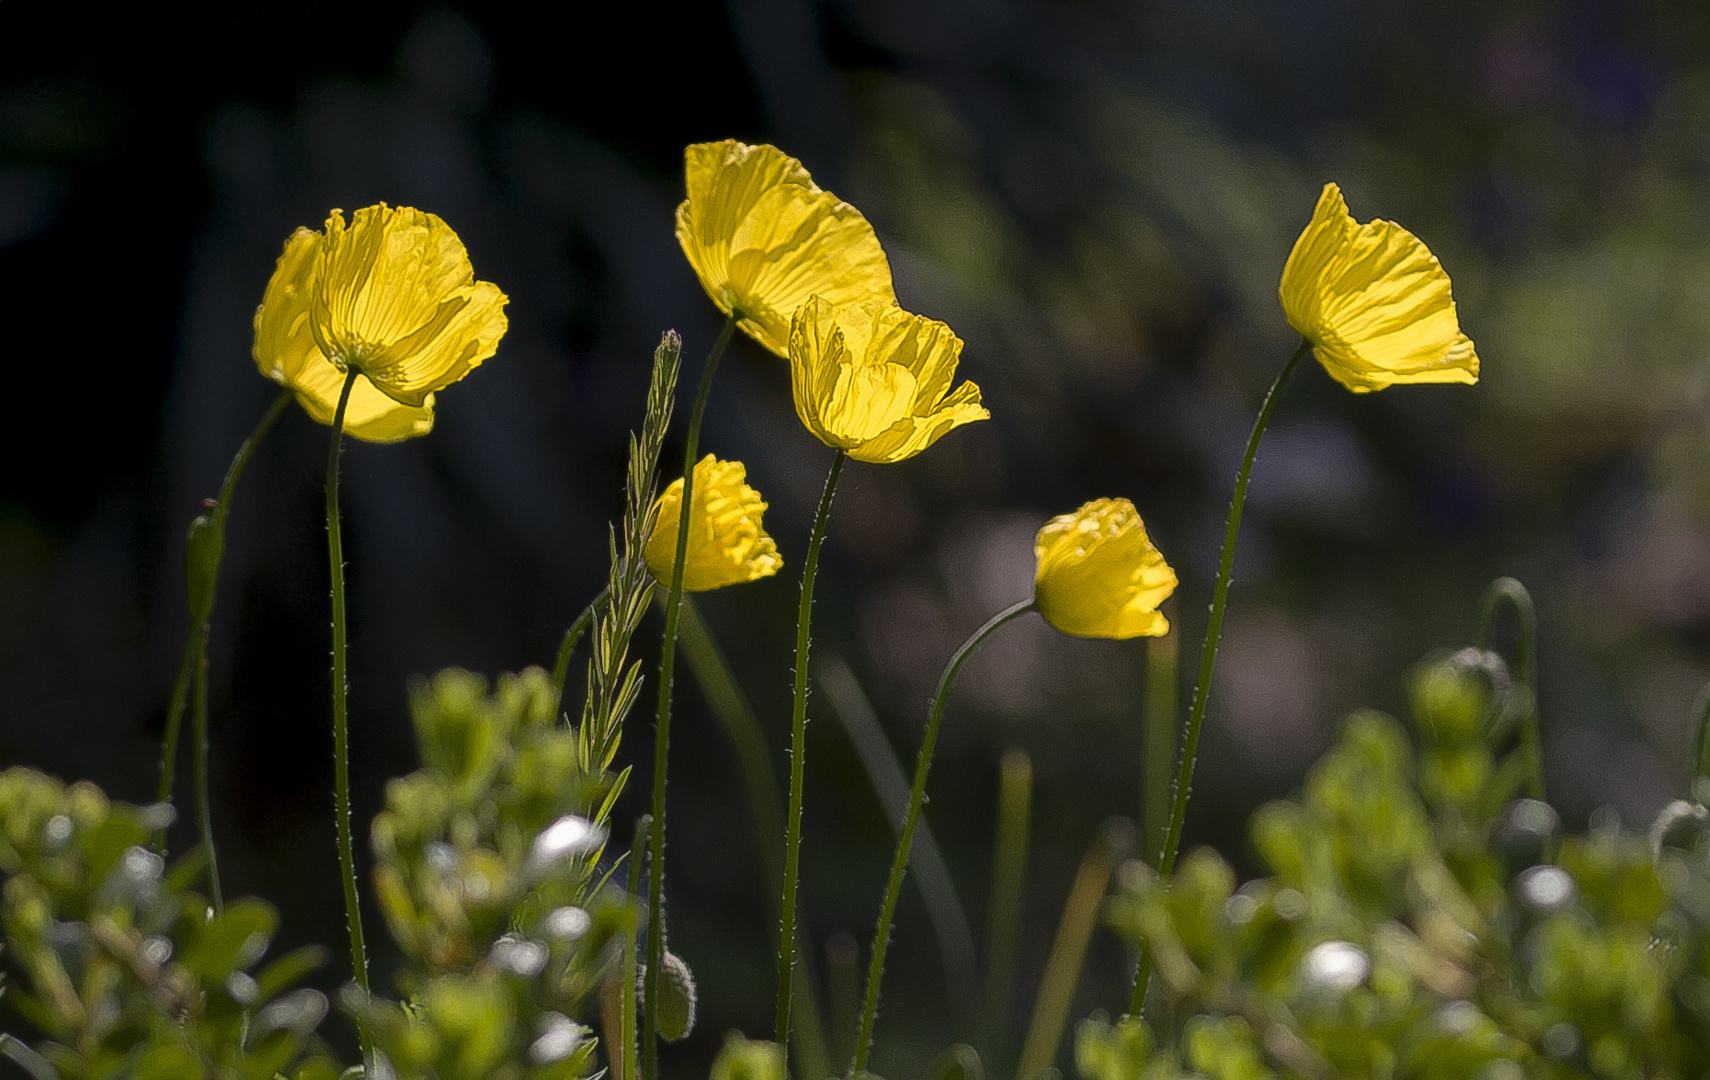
x=396, y=298
x=727, y=544
x=286, y=352
x=1099, y=575
x=1374, y=302
x=871, y=378
x=763, y=238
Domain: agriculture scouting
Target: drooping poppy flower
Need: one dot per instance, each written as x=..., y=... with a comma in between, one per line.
x=1373, y=302
x=874, y=380
x=1098, y=574
x=763, y=237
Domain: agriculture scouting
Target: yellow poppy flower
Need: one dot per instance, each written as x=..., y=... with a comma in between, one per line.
x=286, y=352
x=1374, y=303
x=727, y=542
x=1099, y=575
x=392, y=295
x=874, y=380
x=763, y=238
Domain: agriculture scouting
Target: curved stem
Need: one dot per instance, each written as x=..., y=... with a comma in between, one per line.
x=341, y=726
x=200, y=596
x=1526, y=667
x=1208, y=655
x=798, y=760
x=561, y=668
x=662, y=732
x=905, y=841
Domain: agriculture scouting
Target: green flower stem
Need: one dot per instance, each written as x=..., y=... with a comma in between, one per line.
x=1526, y=667
x=637, y=851
x=1208, y=655
x=905, y=840
x=662, y=733
x=561, y=669
x=731, y=707
x=1009, y=871
x=798, y=760
x=341, y=726
x=1160, y=735
x=200, y=595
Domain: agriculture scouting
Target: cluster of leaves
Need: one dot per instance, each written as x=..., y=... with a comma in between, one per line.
x=125, y=970
x=1421, y=921
x=487, y=872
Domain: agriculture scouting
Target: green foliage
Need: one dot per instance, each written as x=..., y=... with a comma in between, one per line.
x=487, y=870
x=742, y=1059
x=1421, y=921
x=125, y=971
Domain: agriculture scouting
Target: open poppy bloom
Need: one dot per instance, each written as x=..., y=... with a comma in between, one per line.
x=391, y=295
x=1099, y=575
x=1373, y=302
x=727, y=545
x=874, y=380
x=763, y=238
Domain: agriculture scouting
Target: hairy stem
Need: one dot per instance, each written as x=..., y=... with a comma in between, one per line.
x=340, y=704
x=662, y=733
x=200, y=580
x=798, y=759
x=1208, y=655
x=905, y=841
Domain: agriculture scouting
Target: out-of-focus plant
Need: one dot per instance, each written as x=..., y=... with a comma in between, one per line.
x=125, y=971
x=1420, y=920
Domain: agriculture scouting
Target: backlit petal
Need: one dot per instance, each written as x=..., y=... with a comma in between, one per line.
x=1099, y=575
x=286, y=352
x=1374, y=302
x=763, y=238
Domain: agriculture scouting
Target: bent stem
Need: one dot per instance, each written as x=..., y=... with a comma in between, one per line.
x=200, y=596
x=905, y=841
x=662, y=734
x=561, y=668
x=1208, y=655
x=1526, y=667
x=341, y=732
x=798, y=760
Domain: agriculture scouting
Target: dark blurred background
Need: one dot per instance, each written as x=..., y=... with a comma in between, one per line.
x=1098, y=196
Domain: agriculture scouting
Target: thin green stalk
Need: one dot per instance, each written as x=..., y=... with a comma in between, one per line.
x=1526, y=668
x=662, y=734
x=561, y=668
x=1208, y=655
x=1162, y=657
x=931, y=874
x=205, y=550
x=1009, y=871
x=341, y=727
x=798, y=759
x=1068, y=954
x=730, y=706
x=1701, y=745
x=625, y=1068
x=204, y=815
x=905, y=842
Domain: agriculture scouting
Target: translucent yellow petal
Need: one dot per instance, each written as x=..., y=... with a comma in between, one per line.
x=396, y=297
x=286, y=352
x=763, y=238
x=857, y=374
x=913, y=434
x=1099, y=575
x=1374, y=302
x=727, y=544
